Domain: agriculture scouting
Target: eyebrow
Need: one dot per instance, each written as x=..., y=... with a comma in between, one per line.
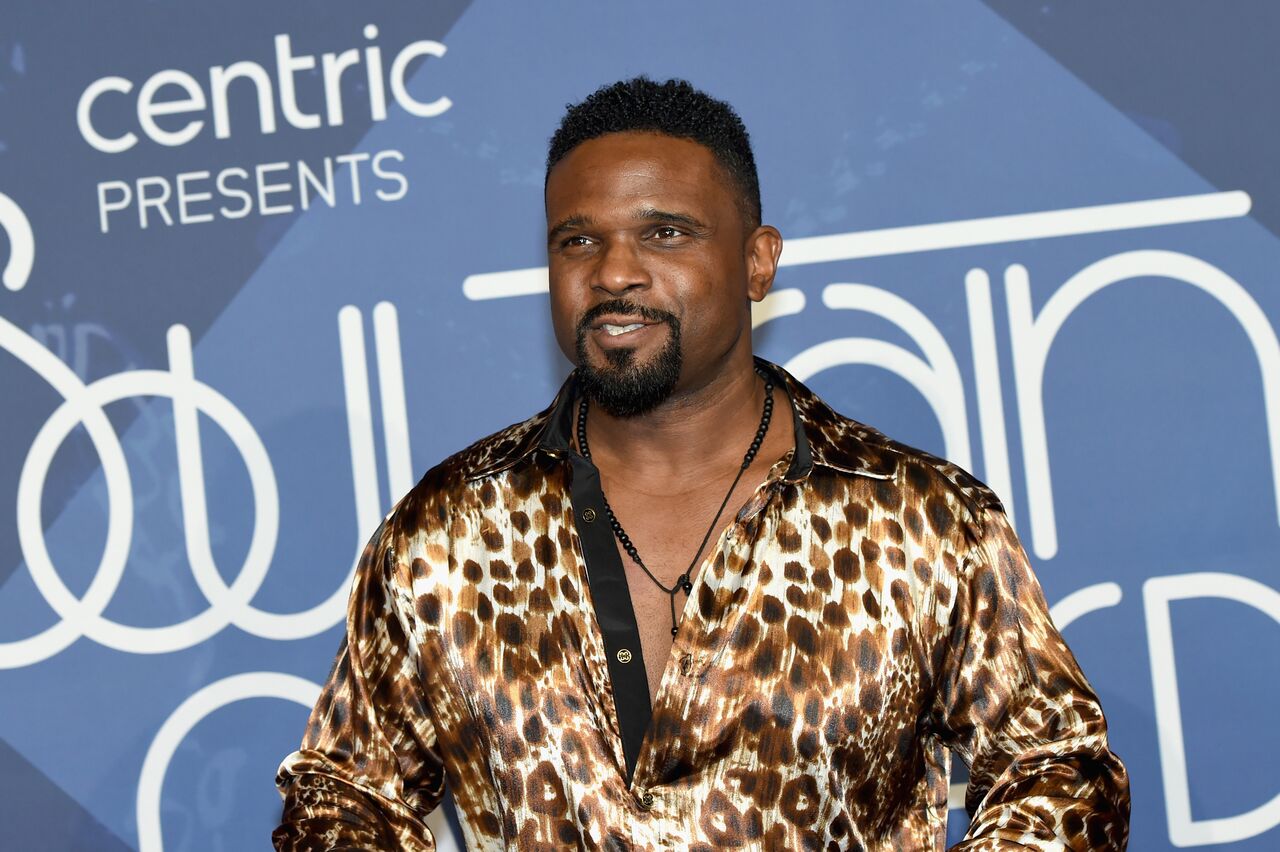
x=647, y=214
x=569, y=224
x=650, y=214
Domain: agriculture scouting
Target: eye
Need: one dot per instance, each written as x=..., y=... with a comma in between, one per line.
x=575, y=241
x=667, y=232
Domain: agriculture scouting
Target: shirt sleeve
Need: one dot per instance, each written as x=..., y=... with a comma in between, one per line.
x=368, y=770
x=1013, y=703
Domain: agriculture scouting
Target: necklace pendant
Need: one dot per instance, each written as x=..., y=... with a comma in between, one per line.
x=674, y=631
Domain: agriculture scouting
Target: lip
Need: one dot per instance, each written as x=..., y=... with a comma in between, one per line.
x=605, y=340
x=620, y=319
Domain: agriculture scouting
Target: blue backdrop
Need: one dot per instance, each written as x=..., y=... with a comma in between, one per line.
x=265, y=263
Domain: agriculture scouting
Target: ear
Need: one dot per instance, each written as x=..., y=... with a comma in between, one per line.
x=764, y=246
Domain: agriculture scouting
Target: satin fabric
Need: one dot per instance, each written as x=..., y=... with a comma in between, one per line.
x=868, y=613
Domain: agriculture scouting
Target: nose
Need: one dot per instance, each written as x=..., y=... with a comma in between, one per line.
x=619, y=269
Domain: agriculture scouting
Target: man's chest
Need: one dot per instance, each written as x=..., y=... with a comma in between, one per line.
x=800, y=628
x=665, y=542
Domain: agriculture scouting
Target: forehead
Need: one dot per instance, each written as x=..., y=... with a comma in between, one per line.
x=611, y=170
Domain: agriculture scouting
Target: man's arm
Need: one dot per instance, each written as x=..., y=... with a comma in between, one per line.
x=1012, y=701
x=368, y=771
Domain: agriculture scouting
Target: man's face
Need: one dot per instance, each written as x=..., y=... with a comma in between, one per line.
x=652, y=267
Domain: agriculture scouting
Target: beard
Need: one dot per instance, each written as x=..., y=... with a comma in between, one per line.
x=621, y=386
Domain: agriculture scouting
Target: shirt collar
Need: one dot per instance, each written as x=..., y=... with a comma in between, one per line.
x=823, y=437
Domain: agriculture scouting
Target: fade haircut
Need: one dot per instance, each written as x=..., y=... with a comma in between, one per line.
x=674, y=108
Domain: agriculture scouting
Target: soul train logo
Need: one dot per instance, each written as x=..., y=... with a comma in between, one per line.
x=264, y=189
x=936, y=376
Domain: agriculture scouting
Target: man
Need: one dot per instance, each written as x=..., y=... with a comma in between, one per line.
x=688, y=606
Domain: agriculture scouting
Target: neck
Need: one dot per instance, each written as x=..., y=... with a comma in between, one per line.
x=695, y=431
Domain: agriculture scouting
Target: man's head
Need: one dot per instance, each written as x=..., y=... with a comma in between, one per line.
x=674, y=108
x=654, y=242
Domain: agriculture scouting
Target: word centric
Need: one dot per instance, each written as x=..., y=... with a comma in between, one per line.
x=194, y=101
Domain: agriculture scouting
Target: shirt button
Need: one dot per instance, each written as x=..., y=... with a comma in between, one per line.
x=647, y=800
x=588, y=515
x=624, y=655
x=686, y=664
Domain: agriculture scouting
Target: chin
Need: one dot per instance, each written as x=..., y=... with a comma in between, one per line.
x=619, y=360
x=625, y=385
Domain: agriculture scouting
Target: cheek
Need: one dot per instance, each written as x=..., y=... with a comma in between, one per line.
x=564, y=314
x=715, y=307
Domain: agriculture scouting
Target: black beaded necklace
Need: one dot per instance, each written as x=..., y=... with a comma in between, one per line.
x=682, y=583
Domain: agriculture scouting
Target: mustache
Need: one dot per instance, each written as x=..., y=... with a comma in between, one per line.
x=623, y=307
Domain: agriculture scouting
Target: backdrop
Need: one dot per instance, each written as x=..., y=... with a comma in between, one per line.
x=265, y=263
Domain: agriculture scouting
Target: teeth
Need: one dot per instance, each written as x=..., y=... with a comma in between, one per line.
x=615, y=330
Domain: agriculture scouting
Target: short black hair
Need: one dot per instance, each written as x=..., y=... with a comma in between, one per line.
x=674, y=108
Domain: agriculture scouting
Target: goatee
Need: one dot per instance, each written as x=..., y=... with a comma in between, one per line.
x=623, y=387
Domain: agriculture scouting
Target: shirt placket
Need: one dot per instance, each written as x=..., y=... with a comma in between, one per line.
x=611, y=602
x=735, y=548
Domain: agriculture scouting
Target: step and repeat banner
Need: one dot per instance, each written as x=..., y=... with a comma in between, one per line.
x=266, y=263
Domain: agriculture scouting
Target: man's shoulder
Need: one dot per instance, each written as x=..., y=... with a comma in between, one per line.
x=490, y=454
x=923, y=478
x=927, y=479
x=921, y=465
x=496, y=451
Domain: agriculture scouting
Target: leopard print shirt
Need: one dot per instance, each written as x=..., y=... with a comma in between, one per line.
x=866, y=614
